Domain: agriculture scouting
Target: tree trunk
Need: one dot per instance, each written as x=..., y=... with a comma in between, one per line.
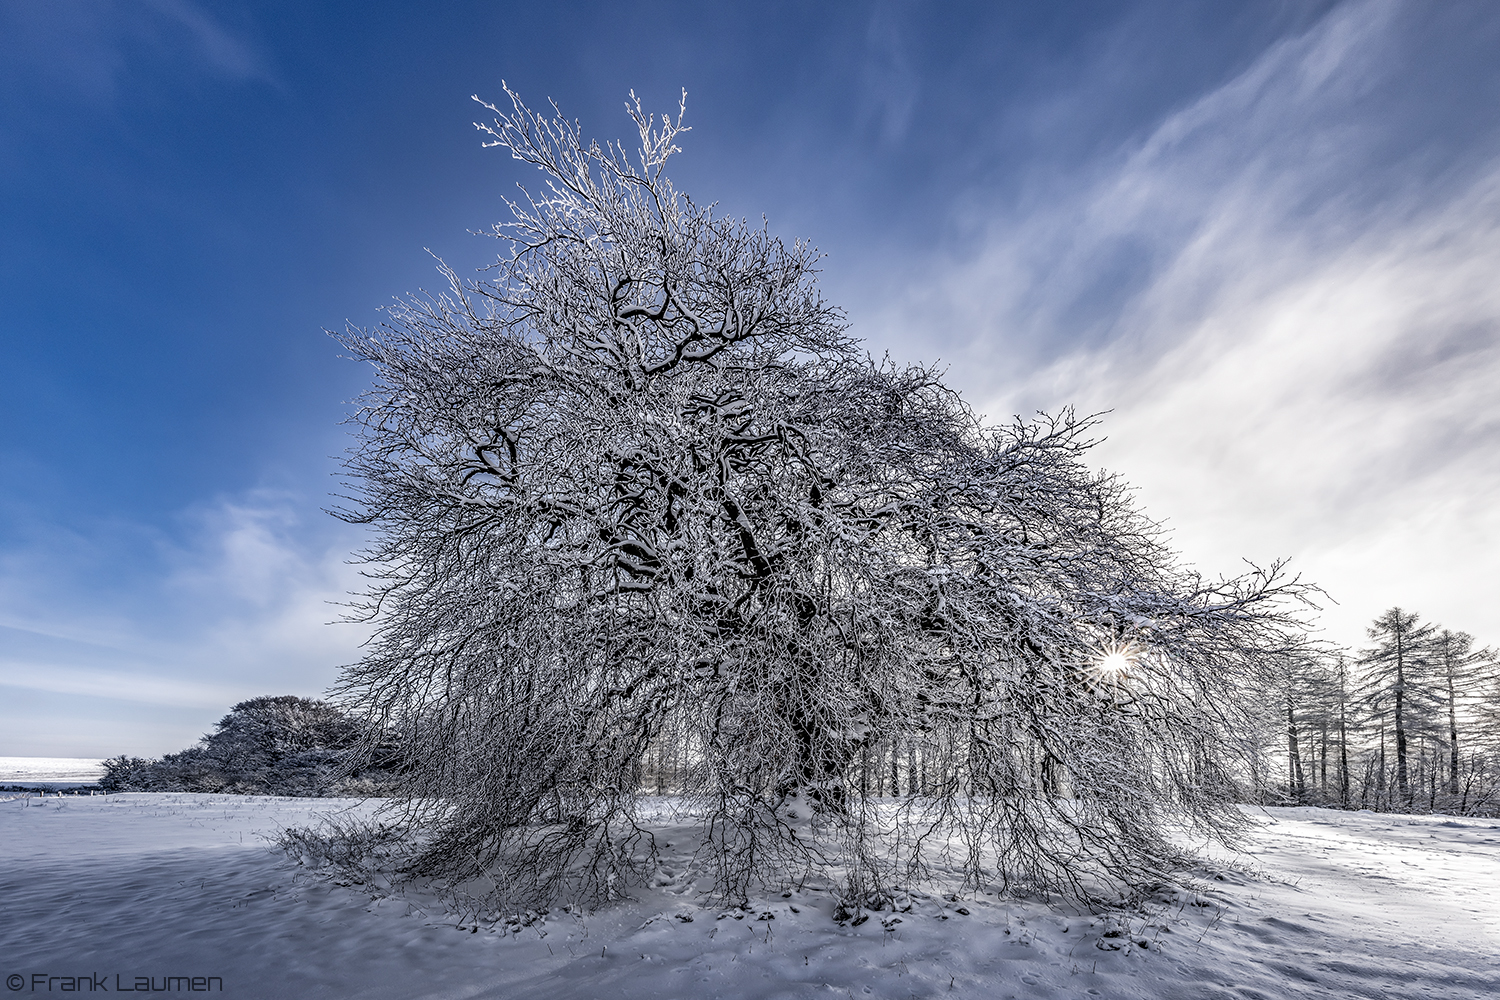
x=1401, y=782
x=1343, y=760
x=895, y=767
x=1381, y=796
x=1294, y=758
x=1323, y=763
x=1452, y=727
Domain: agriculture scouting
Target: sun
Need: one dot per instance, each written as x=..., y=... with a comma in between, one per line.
x=1115, y=661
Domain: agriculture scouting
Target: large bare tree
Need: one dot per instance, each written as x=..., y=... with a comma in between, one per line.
x=639, y=497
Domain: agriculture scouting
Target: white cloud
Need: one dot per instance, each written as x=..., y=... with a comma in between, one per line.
x=1298, y=329
x=237, y=605
x=1346, y=415
x=274, y=587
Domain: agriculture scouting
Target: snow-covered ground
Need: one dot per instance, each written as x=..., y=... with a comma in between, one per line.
x=177, y=885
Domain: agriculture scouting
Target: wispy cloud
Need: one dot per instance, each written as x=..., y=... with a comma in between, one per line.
x=120, y=685
x=1296, y=326
x=1344, y=414
x=88, y=46
x=212, y=43
x=890, y=85
x=237, y=603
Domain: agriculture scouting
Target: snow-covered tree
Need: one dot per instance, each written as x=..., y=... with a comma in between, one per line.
x=1335, y=694
x=1310, y=725
x=1396, y=691
x=279, y=745
x=1459, y=669
x=646, y=518
x=1289, y=675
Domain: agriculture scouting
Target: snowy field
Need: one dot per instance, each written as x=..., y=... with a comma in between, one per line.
x=178, y=885
x=50, y=770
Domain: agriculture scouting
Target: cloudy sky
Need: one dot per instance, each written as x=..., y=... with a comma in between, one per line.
x=1265, y=235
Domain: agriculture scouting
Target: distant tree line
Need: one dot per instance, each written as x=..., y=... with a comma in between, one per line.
x=1411, y=723
x=265, y=746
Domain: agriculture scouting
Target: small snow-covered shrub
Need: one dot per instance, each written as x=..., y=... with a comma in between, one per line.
x=352, y=848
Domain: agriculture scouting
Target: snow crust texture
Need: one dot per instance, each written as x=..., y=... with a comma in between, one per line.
x=161, y=885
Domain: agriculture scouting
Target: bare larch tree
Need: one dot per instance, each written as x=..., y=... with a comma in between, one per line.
x=1397, y=688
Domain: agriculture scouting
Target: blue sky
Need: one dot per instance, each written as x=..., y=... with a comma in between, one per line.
x=1264, y=234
